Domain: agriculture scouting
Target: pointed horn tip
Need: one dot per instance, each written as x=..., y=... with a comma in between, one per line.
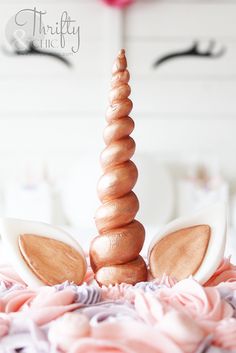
x=120, y=63
x=121, y=52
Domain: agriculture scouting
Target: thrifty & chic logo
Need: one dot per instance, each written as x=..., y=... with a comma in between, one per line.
x=33, y=27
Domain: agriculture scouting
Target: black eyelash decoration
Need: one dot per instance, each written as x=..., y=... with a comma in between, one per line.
x=192, y=51
x=32, y=50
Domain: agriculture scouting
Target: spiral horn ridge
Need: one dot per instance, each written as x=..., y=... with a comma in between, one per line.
x=114, y=253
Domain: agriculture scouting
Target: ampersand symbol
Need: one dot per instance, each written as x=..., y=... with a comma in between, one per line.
x=20, y=40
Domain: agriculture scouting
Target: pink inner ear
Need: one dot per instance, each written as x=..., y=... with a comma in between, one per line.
x=180, y=254
x=52, y=261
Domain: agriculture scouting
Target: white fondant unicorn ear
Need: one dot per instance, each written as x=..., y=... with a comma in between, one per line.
x=42, y=254
x=192, y=245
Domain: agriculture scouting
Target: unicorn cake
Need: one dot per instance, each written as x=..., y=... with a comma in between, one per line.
x=180, y=297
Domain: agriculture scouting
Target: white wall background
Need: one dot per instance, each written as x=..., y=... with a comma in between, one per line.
x=186, y=107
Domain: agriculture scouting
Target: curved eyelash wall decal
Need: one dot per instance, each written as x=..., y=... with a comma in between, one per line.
x=32, y=50
x=193, y=51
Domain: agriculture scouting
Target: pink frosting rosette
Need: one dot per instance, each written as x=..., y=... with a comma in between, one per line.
x=14, y=300
x=225, y=334
x=178, y=326
x=184, y=331
x=49, y=305
x=122, y=337
x=226, y=272
x=72, y=333
x=202, y=304
x=42, y=307
x=68, y=329
x=150, y=308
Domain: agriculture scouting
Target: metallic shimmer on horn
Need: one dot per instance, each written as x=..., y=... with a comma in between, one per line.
x=114, y=253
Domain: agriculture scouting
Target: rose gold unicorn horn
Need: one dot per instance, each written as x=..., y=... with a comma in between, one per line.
x=114, y=254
